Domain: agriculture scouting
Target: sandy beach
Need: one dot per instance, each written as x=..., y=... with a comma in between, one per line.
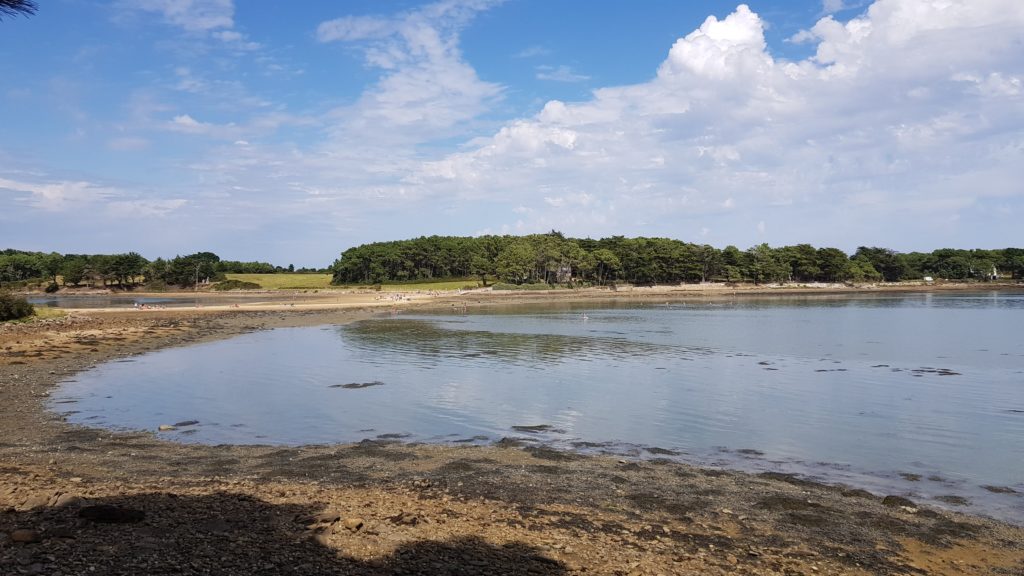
x=76, y=500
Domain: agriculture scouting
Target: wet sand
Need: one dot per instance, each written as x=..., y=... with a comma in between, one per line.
x=391, y=508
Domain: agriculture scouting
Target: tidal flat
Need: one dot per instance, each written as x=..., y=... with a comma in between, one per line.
x=506, y=506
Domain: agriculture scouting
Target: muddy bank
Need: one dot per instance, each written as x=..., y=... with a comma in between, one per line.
x=504, y=509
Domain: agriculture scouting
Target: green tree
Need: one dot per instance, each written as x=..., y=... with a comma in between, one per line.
x=764, y=265
x=862, y=270
x=481, y=267
x=516, y=263
x=833, y=265
x=885, y=261
x=802, y=262
x=14, y=307
x=74, y=270
x=606, y=265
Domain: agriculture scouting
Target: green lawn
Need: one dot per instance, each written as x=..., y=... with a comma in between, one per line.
x=323, y=281
x=286, y=281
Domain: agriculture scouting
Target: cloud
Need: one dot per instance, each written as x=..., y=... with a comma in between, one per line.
x=561, y=73
x=353, y=28
x=144, y=208
x=212, y=18
x=128, y=143
x=56, y=196
x=899, y=103
x=426, y=88
x=532, y=52
x=190, y=15
x=832, y=6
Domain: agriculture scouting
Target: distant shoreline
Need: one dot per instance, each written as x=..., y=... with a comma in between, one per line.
x=281, y=300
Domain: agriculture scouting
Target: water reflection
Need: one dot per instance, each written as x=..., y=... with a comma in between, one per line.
x=432, y=342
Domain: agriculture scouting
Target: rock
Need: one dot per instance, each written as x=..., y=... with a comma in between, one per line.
x=166, y=428
x=109, y=514
x=1000, y=489
x=65, y=500
x=321, y=518
x=897, y=502
x=353, y=524
x=35, y=501
x=25, y=536
x=405, y=519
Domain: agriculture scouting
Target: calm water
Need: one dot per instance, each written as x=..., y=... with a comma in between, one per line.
x=856, y=389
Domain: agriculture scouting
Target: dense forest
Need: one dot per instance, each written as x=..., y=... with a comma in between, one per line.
x=535, y=259
x=125, y=270
x=552, y=258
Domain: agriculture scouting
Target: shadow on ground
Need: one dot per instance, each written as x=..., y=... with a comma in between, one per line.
x=227, y=534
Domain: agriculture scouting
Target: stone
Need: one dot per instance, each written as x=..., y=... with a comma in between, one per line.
x=25, y=536
x=166, y=428
x=65, y=500
x=405, y=519
x=35, y=501
x=110, y=514
x=897, y=502
x=353, y=524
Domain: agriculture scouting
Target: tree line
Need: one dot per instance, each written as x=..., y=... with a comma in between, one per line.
x=124, y=270
x=553, y=258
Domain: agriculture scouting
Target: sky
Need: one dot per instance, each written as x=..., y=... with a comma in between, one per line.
x=290, y=131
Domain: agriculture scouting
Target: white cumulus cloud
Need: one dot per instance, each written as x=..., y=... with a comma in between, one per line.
x=907, y=103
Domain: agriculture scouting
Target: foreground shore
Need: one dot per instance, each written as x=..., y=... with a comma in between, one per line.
x=388, y=508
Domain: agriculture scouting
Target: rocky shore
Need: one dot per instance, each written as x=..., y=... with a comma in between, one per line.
x=76, y=500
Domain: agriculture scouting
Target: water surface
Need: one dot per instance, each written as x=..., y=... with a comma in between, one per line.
x=920, y=394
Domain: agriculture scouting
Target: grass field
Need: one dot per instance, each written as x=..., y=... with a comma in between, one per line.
x=323, y=282
x=286, y=281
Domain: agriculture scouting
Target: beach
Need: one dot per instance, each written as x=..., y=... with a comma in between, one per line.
x=383, y=507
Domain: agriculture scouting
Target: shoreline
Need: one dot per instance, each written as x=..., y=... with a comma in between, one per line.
x=344, y=299
x=565, y=512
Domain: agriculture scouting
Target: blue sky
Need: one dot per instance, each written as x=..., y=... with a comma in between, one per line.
x=289, y=131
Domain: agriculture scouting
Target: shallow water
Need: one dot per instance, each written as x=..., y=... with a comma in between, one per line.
x=854, y=389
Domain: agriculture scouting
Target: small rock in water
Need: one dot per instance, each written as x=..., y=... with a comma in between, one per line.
x=110, y=514
x=1000, y=489
x=357, y=385
x=535, y=429
x=25, y=536
x=166, y=428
